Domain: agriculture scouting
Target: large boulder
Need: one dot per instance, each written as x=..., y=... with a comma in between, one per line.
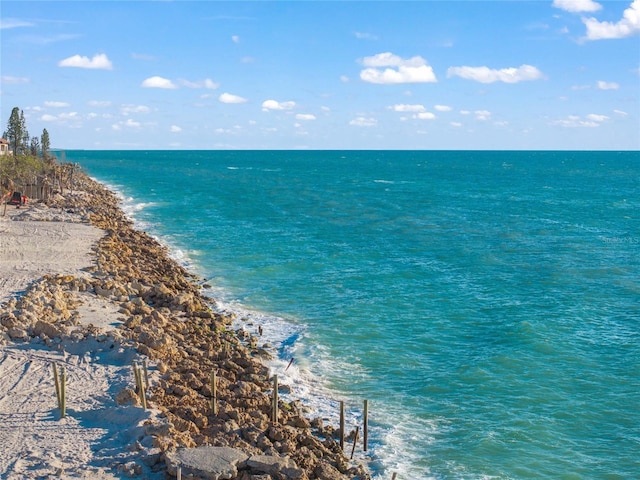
x=210, y=463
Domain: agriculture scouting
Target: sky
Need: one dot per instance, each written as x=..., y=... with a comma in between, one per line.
x=466, y=74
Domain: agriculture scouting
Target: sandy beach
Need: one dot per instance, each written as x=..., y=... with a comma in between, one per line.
x=81, y=288
x=94, y=439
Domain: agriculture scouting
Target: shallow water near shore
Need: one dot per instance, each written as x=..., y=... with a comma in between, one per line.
x=485, y=303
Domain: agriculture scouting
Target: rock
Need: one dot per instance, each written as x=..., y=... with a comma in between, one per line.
x=127, y=396
x=210, y=463
x=17, y=334
x=48, y=329
x=324, y=471
x=130, y=470
x=274, y=465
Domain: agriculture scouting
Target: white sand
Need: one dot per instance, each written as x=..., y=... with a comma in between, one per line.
x=97, y=434
x=29, y=250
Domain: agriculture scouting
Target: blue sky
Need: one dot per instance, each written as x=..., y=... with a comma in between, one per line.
x=543, y=74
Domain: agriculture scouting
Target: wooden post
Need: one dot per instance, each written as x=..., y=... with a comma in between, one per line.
x=63, y=393
x=214, y=393
x=365, y=427
x=146, y=374
x=57, y=382
x=61, y=389
x=137, y=372
x=179, y=474
x=342, y=424
x=290, y=362
x=355, y=442
x=274, y=413
x=394, y=476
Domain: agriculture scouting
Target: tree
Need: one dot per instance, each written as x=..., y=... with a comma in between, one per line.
x=14, y=131
x=44, y=144
x=25, y=134
x=35, y=146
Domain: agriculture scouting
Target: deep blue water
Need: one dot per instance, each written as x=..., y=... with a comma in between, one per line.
x=485, y=303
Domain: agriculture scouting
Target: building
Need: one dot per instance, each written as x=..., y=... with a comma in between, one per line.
x=4, y=147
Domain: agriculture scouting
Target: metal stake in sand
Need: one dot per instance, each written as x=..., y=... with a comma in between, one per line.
x=214, y=393
x=274, y=412
x=365, y=427
x=342, y=424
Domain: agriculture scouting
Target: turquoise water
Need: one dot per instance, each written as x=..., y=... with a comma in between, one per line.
x=485, y=303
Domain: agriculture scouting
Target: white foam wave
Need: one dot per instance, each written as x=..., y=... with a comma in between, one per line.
x=390, y=431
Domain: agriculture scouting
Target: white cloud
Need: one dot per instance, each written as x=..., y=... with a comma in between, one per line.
x=597, y=118
x=365, y=36
x=575, y=6
x=425, y=116
x=627, y=26
x=206, y=83
x=158, y=82
x=131, y=123
x=129, y=109
x=608, y=85
x=53, y=104
x=407, y=108
x=399, y=70
x=100, y=103
x=305, y=116
x=175, y=129
x=620, y=112
x=6, y=23
x=98, y=62
x=275, y=105
x=482, y=115
x=235, y=38
x=388, y=59
x=455, y=124
x=48, y=118
x=210, y=84
x=442, y=108
x=69, y=116
x=229, y=98
x=488, y=75
x=364, y=122
x=344, y=79
x=15, y=80
x=575, y=121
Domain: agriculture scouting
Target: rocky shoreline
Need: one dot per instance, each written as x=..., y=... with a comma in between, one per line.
x=167, y=319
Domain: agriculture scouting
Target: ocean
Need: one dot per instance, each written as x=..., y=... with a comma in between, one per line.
x=485, y=303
